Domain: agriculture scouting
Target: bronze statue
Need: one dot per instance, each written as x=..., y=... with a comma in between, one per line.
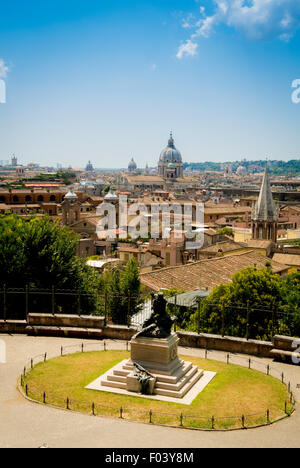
x=159, y=325
x=143, y=377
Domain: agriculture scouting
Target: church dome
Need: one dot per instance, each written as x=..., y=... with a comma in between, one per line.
x=170, y=154
x=241, y=171
x=132, y=165
x=71, y=195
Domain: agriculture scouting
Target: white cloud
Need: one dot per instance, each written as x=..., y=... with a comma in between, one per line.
x=256, y=19
x=189, y=49
x=3, y=69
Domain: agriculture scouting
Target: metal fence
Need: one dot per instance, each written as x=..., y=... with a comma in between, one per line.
x=181, y=419
x=239, y=320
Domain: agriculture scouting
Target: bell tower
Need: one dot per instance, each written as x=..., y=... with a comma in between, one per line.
x=70, y=209
x=265, y=213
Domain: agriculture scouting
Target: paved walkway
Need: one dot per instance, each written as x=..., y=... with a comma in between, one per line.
x=25, y=424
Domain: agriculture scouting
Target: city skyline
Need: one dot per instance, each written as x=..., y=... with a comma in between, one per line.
x=105, y=81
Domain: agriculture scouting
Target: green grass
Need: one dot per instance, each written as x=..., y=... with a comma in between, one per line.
x=235, y=391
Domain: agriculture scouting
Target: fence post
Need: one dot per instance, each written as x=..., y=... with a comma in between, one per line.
x=268, y=416
x=199, y=315
x=248, y=321
x=150, y=416
x=53, y=300
x=249, y=363
x=285, y=407
x=26, y=389
x=82, y=347
x=181, y=420
x=78, y=303
x=4, y=303
x=223, y=321
x=61, y=351
x=44, y=398
x=282, y=377
x=45, y=357
x=129, y=309
x=93, y=409
x=105, y=308
x=228, y=357
x=175, y=324
x=273, y=320
x=27, y=302
x=243, y=422
x=268, y=369
x=213, y=422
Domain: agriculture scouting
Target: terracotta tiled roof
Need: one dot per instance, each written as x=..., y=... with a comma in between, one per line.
x=259, y=244
x=224, y=247
x=287, y=259
x=144, y=179
x=206, y=273
x=229, y=209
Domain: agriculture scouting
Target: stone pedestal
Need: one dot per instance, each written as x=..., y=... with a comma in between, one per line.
x=172, y=377
x=156, y=354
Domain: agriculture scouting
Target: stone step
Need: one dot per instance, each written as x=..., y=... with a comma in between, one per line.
x=180, y=393
x=181, y=382
x=158, y=369
x=116, y=378
x=121, y=372
x=174, y=378
x=108, y=383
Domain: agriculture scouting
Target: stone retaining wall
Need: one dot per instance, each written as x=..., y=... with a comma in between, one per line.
x=230, y=344
x=93, y=327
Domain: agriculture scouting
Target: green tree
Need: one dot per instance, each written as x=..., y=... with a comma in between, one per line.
x=131, y=287
x=41, y=254
x=226, y=232
x=291, y=298
x=252, y=297
x=114, y=295
x=124, y=292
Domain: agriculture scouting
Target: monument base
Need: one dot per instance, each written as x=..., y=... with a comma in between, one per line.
x=172, y=377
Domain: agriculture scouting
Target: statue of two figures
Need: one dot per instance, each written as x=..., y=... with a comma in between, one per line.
x=160, y=324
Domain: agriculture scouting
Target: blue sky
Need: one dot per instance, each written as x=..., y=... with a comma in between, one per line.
x=107, y=80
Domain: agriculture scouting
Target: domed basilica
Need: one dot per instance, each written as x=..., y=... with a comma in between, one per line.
x=170, y=164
